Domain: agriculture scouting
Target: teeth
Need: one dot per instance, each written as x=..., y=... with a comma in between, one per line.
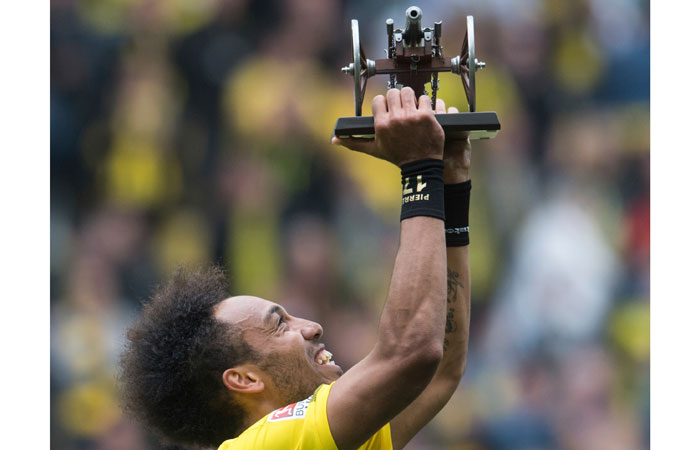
x=325, y=357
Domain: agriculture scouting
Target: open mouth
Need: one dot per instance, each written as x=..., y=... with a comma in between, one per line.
x=323, y=357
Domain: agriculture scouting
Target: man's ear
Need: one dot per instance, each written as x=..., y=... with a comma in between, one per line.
x=245, y=379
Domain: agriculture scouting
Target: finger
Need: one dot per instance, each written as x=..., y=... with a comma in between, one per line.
x=393, y=99
x=440, y=106
x=452, y=110
x=379, y=106
x=424, y=103
x=408, y=99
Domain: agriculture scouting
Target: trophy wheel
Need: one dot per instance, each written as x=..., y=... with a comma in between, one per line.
x=471, y=64
x=468, y=65
x=360, y=71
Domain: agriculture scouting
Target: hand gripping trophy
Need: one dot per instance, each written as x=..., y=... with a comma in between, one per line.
x=415, y=58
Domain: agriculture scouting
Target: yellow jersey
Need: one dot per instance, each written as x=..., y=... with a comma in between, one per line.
x=301, y=425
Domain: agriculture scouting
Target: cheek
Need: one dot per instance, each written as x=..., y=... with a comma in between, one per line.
x=294, y=343
x=291, y=349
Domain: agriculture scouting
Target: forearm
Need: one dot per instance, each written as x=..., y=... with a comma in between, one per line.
x=458, y=305
x=414, y=312
x=409, y=347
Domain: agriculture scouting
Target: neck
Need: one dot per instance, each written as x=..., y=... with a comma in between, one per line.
x=257, y=408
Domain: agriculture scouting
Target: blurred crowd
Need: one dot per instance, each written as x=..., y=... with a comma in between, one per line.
x=188, y=132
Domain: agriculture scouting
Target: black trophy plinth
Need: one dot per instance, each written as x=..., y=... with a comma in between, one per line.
x=480, y=125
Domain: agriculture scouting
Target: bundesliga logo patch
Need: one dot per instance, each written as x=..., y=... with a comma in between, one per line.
x=294, y=411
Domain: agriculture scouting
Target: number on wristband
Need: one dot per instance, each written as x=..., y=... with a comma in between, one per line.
x=423, y=189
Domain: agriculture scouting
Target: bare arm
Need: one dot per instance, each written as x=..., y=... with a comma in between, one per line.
x=411, y=328
x=453, y=364
x=451, y=368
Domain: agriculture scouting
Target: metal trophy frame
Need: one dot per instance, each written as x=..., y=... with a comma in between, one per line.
x=414, y=58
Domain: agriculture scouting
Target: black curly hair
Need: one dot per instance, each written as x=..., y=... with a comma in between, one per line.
x=175, y=356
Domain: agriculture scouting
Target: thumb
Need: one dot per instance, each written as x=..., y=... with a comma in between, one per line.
x=363, y=145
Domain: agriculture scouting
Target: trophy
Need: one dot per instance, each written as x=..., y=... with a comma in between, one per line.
x=415, y=58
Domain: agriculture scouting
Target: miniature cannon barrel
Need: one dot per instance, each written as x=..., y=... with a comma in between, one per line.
x=413, y=34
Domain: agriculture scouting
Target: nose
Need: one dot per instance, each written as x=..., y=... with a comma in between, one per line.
x=311, y=330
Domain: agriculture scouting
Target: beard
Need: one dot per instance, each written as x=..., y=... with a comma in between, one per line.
x=293, y=379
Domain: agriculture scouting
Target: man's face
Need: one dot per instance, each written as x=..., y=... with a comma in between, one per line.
x=288, y=347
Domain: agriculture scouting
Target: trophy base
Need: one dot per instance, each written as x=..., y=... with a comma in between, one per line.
x=480, y=125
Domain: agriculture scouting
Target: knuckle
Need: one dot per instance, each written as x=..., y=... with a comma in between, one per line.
x=416, y=118
x=416, y=122
x=424, y=116
x=381, y=126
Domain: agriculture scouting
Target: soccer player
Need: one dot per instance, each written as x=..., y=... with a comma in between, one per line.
x=208, y=369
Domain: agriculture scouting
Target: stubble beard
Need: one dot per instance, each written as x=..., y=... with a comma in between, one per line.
x=294, y=380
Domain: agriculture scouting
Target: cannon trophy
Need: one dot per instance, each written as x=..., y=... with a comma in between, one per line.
x=414, y=58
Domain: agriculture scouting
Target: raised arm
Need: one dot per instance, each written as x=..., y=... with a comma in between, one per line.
x=411, y=329
x=456, y=320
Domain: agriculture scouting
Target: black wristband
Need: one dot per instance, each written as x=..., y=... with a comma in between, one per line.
x=423, y=189
x=457, y=213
